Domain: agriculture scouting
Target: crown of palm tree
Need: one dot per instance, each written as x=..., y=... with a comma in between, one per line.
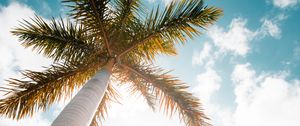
x=122, y=30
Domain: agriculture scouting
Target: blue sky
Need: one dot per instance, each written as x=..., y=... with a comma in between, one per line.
x=245, y=68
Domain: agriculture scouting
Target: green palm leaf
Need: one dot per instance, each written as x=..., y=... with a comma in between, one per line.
x=59, y=40
x=95, y=15
x=174, y=23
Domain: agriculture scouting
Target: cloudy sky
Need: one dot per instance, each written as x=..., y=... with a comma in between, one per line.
x=245, y=68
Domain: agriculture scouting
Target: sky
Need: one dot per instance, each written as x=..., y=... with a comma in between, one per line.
x=245, y=68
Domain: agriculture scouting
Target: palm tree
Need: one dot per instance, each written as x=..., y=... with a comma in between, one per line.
x=107, y=40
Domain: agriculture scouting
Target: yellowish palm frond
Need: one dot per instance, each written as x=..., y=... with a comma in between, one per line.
x=40, y=89
x=171, y=93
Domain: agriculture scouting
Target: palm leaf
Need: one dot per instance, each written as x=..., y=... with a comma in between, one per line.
x=148, y=50
x=58, y=39
x=95, y=15
x=136, y=87
x=38, y=90
x=91, y=13
x=175, y=22
x=126, y=10
x=145, y=90
x=172, y=94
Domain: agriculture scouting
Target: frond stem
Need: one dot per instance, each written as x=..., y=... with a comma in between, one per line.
x=102, y=30
x=135, y=45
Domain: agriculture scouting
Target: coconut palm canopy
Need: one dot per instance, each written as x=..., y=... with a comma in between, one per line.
x=100, y=31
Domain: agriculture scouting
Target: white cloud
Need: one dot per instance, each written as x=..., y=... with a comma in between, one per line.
x=266, y=99
x=285, y=3
x=9, y=18
x=204, y=55
x=14, y=57
x=245, y=82
x=208, y=84
x=7, y=64
x=235, y=40
x=36, y=120
x=269, y=27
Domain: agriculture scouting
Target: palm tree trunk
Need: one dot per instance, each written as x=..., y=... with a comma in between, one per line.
x=81, y=109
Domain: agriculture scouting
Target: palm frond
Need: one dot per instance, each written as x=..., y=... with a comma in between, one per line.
x=111, y=95
x=38, y=90
x=137, y=86
x=145, y=90
x=181, y=18
x=172, y=94
x=126, y=10
x=89, y=12
x=173, y=23
x=148, y=50
x=59, y=40
x=95, y=15
x=156, y=46
x=124, y=22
